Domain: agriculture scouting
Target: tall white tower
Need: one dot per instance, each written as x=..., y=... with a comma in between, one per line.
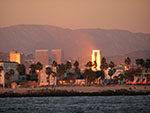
x=96, y=56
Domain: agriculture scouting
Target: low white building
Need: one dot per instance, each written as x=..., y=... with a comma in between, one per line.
x=2, y=78
x=7, y=66
x=42, y=78
x=80, y=82
x=52, y=79
x=106, y=73
x=119, y=71
x=43, y=81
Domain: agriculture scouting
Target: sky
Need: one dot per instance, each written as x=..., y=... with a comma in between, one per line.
x=132, y=15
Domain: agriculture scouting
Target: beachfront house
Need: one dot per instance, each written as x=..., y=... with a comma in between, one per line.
x=2, y=78
x=6, y=76
x=80, y=82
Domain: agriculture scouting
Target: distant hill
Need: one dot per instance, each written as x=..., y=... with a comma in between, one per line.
x=74, y=43
x=133, y=56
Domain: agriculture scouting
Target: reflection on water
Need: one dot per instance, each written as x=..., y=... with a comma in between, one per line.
x=84, y=104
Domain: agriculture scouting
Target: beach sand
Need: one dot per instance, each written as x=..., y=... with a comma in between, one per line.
x=84, y=89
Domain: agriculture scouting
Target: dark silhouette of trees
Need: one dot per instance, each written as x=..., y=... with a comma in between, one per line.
x=39, y=66
x=140, y=62
x=68, y=65
x=111, y=64
x=21, y=70
x=48, y=71
x=61, y=70
x=9, y=76
x=104, y=64
x=127, y=61
x=1, y=69
x=70, y=76
x=102, y=76
x=76, y=64
x=129, y=75
x=147, y=64
x=34, y=69
x=12, y=72
x=54, y=64
x=121, y=77
x=77, y=69
x=89, y=64
x=89, y=75
x=111, y=72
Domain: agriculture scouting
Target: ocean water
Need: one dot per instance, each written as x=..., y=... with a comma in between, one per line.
x=77, y=104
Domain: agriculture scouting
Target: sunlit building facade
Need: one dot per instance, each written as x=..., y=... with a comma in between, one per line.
x=42, y=57
x=57, y=55
x=96, y=56
x=16, y=57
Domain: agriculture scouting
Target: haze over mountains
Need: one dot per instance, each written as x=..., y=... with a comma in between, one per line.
x=74, y=43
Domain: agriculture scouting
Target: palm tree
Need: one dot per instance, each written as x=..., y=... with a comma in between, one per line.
x=32, y=68
x=68, y=65
x=121, y=77
x=77, y=69
x=140, y=62
x=102, y=76
x=76, y=64
x=147, y=64
x=9, y=76
x=32, y=71
x=89, y=75
x=129, y=75
x=1, y=68
x=21, y=70
x=104, y=64
x=61, y=70
x=127, y=61
x=70, y=76
x=110, y=73
x=54, y=65
x=137, y=61
x=48, y=72
x=89, y=64
x=39, y=66
x=111, y=64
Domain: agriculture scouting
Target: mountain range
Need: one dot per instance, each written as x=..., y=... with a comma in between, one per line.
x=74, y=43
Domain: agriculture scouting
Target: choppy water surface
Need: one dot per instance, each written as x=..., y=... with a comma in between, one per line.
x=85, y=104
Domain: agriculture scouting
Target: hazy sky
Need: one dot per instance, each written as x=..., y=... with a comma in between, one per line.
x=132, y=15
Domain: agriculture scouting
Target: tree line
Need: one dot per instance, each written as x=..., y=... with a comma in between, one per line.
x=60, y=70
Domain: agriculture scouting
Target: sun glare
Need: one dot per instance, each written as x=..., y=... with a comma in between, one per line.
x=96, y=56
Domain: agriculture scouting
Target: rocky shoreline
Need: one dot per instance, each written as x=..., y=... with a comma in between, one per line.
x=74, y=91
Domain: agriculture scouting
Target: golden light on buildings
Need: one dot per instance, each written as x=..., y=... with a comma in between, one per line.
x=15, y=57
x=96, y=56
x=126, y=68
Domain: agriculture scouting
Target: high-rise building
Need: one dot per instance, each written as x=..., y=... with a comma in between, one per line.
x=96, y=57
x=16, y=57
x=57, y=55
x=42, y=57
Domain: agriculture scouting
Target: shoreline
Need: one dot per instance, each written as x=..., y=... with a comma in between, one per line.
x=117, y=90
